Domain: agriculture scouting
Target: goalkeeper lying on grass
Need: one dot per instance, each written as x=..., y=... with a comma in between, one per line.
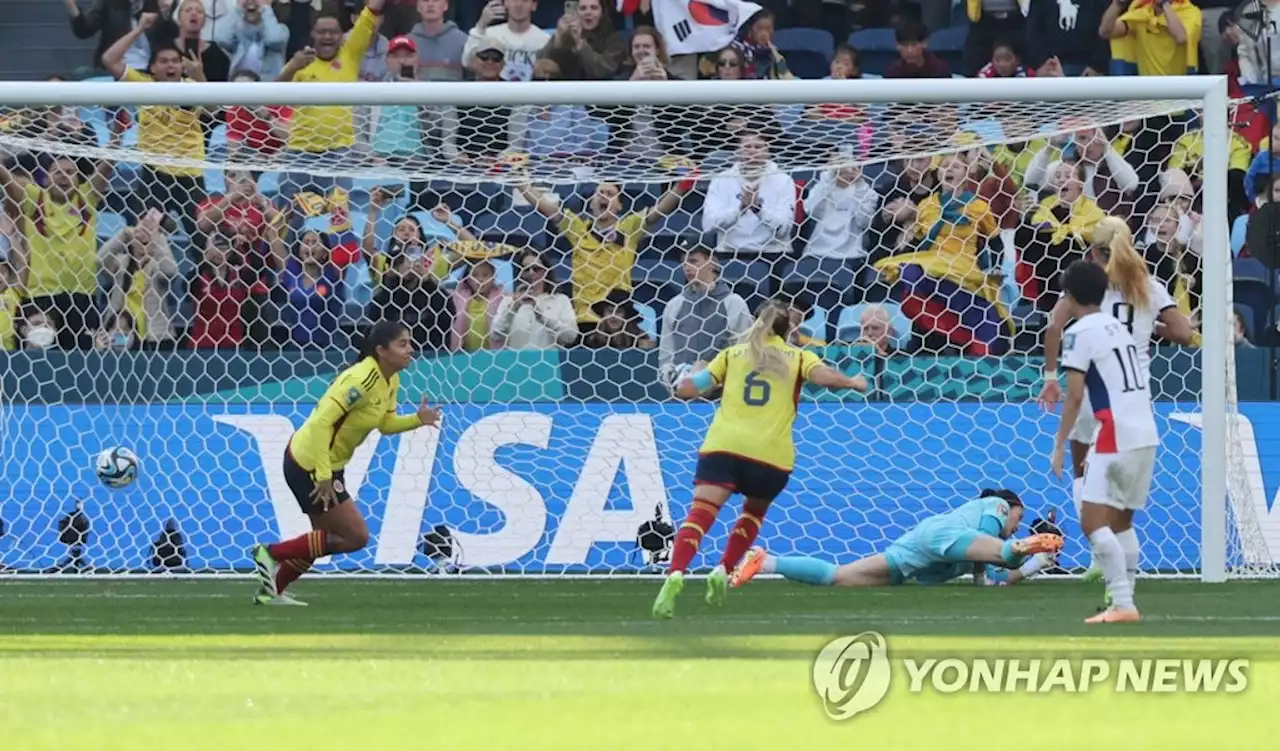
x=938, y=549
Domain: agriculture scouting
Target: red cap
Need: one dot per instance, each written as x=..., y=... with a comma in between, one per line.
x=402, y=43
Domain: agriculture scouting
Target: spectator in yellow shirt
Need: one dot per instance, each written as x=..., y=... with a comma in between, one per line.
x=321, y=137
x=168, y=133
x=605, y=240
x=57, y=264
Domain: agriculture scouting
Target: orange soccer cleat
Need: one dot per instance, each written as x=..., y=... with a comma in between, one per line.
x=1038, y=544
x=1116, y=615
x=749, y=567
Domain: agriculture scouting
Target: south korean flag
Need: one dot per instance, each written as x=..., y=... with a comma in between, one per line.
x=696, y=26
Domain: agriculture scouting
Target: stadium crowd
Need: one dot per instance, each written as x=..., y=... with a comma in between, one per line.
x=956, y=252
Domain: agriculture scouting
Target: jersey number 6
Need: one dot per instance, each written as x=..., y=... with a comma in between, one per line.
x=757, y=390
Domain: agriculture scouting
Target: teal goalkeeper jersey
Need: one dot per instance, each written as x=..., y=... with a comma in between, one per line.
x=987, y=515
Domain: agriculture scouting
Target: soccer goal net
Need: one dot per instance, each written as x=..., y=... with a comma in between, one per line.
x=188, y=265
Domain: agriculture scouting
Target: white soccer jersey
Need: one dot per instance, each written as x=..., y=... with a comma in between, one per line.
x=1116, y=382
x=1140, y=322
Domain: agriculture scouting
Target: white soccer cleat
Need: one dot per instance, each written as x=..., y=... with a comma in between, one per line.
x=283, y=599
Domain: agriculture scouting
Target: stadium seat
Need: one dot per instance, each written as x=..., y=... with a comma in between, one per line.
x=1251, y=287
x=519, y=226
x=948, y=44
x=269, y=183
x=109, y=223
x=849, y=325
x=808, y=51
x=815, y=326
x=876, y=48
x=648, y=320
x=1249, y=317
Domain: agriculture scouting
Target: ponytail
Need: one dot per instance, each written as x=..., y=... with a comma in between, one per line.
x=380, y=335
x=773, y=319
x=1126, y=270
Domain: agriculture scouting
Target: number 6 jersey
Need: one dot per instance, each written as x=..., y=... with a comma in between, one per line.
x=1115, y=380
x=757, y=411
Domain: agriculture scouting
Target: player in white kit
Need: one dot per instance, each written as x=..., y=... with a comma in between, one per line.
x=1137, y=300
x=1102, y=360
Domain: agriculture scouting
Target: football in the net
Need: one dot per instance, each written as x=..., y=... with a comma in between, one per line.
x=117, y=467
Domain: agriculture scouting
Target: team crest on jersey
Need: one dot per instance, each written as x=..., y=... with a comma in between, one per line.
x=1069, y=341
x=353, y=396
x=338, y=486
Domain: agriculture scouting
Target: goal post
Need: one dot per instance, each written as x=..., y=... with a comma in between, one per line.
x=551, y=461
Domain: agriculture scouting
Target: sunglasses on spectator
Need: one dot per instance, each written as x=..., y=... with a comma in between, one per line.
x=490, y=57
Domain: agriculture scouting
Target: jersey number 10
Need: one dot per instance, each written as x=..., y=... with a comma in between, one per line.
x=756, y=391
x=1129, y=368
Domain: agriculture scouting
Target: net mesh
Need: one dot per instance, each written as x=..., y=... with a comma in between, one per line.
x=186, y=283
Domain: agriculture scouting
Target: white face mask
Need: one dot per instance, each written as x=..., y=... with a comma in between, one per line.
x=41, y=336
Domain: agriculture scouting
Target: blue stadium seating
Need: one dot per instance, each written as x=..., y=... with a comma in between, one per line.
x=876, y=49
x=521, y=226
x=808, y=51
x=1251, y=287
x=1249, y=317
x=948, y=44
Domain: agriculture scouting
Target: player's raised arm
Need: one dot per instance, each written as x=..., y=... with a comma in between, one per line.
x=1051, y=391
x=829, y=378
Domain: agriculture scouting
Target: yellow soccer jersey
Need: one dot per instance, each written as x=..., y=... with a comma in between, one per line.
x=359, y=401
x=319, y=128
x=169, y=131
x=757, y=411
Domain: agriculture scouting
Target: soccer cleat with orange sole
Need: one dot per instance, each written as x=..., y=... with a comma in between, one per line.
x=1116, y=615
x=1038, y=544
x=749, y=567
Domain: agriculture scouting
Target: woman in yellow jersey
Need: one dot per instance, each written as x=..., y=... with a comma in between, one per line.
x=749, y=448
x=362, y=399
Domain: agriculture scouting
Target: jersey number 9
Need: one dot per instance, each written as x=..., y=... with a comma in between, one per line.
x=757, y=391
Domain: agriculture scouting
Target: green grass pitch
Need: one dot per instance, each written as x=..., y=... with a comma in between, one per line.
x=560, y=664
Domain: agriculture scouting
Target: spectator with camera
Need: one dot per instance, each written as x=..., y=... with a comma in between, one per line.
x=585, y=45
x=325, y=135
x=516, y=37
x=220, y=292
x=536, y=315
x=408, y=293
x=142, y=248
x=165, y=131
x=254, y=39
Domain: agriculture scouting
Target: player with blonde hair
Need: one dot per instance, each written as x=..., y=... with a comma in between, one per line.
x=749, y=447
x=1140, y=302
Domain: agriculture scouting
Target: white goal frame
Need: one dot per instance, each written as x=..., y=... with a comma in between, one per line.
x=1210, y=91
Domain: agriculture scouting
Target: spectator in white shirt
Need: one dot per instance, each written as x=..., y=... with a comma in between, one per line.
x=705, y=318
x=536, y=316
x=841, y=205
x=752, y=205
x=254, y=39
x=518, y=38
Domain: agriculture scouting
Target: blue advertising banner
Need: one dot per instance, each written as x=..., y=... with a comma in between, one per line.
x=544, y=487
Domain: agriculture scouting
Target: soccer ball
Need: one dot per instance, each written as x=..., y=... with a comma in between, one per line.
x=117, y=467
